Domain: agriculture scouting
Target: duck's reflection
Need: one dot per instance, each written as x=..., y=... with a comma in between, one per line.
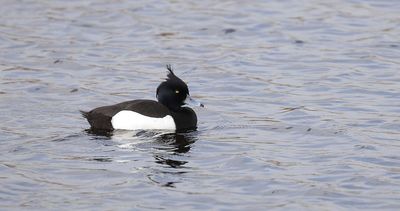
x=168, y=149
x=163, y=145
x=170, y=152
x=169, y=162
x=175, y=144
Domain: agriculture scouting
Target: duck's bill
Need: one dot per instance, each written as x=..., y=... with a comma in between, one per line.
x=192, y=102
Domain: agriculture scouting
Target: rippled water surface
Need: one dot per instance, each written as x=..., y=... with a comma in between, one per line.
x=302, y=104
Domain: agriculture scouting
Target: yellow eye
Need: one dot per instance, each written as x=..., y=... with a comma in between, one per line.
x=177, y=91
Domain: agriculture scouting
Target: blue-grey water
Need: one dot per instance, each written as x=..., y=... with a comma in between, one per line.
x=302, y=104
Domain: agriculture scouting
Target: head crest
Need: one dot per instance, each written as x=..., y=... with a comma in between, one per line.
x=171, y=75
x=169, y=68
x=172, y=78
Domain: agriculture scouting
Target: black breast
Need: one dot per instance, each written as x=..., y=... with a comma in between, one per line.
x=185, y=119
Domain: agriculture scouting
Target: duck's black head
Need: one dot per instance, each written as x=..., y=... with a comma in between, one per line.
x=174, y=93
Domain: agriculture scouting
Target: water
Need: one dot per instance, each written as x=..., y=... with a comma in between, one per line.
x=302, y=105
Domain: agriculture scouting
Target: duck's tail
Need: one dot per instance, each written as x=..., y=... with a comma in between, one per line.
x=84, y=113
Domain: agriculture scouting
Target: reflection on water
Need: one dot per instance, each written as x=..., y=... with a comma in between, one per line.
x=178, y=143
x=162, y=144
x=167, y=149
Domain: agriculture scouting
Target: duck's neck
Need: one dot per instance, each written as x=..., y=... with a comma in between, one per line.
x=185, y=118
x=171, y=105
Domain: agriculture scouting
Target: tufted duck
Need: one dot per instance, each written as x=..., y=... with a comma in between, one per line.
x=168, y=113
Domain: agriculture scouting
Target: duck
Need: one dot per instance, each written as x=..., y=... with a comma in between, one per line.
x=169, y=112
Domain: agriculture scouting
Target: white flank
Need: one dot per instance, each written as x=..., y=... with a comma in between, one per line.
x=130, y=120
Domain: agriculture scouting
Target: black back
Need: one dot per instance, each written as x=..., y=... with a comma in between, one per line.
x=100, y=118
